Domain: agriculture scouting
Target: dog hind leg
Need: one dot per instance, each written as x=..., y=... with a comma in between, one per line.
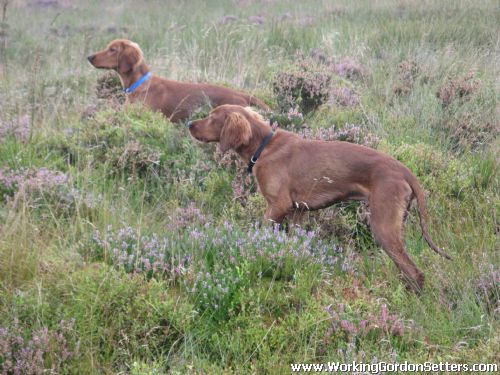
x=388, y=205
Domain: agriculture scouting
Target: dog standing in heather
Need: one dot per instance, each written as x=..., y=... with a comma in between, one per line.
x=295, y=174
x=176, y=100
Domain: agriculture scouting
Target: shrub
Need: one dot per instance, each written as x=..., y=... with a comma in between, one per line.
x=109, y=319
x=468, y=110
x=351, y=69
x=30, y=180
x=214, y=263
x=349, y=133
x=133, y=158
x=41, y=351
x=43, y=189
x=127, y=139
x=465, y=132
x=407, y=73
x=237, y=258
x=344, y=96
x=291, y=119
x=185, y=217
x=348, y=326
x=133, y=143
x=459, y=89
x=19, y=128
x=305, y=85
x=308, y=84
x=346, y=67
x=149, y=254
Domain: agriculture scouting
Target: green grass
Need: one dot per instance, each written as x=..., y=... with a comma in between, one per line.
x=132, y=169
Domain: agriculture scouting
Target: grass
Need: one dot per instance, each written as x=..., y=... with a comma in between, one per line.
x=148, y=257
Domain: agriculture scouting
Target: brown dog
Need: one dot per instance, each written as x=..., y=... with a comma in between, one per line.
x=176, y=100
x=294, y=173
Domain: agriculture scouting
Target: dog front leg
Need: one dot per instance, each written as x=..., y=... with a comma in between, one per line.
x=275, y=214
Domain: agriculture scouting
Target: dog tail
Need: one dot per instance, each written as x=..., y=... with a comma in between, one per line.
x=422, y=212
x=258, y=103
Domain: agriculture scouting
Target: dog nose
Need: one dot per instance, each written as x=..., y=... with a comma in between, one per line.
x=90, y=58
x=189, y=124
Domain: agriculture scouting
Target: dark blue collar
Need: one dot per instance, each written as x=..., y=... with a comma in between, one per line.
x=141, y=80
x=255, y=156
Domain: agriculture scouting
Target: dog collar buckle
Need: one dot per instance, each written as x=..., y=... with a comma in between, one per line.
x=253, y=159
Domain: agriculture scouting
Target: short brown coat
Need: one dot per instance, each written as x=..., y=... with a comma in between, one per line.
x=176, y=100
x=296, y=174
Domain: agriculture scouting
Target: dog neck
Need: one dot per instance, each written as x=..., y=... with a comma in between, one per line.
x=133, y=75
x=260, y=130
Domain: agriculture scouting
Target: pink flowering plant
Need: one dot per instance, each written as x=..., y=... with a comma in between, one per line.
x=41, y=351
x=215, y=263
x=139, y=253
x=28, y=180
x=291, y=119
x=350, y=326
x=305, y=86
x=311, y=82
x=343, y=96
x=43, y=189
x=19, y=128
x=465, y=124
x=350, y=69
x=352, y=133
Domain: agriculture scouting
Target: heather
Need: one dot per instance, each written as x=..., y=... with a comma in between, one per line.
x=46, y=350
x=215, y=265
x=127, y=247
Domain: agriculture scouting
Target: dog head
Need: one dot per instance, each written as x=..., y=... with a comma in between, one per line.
x=121, y=54
x=228, y=124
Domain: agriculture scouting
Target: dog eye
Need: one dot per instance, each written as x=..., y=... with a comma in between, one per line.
x=112, y=49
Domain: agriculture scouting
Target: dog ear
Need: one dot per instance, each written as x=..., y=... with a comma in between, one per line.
x=130, y=58
x=236, y=132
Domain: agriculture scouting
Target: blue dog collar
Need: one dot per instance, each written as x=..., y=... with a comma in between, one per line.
x=143, y=79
